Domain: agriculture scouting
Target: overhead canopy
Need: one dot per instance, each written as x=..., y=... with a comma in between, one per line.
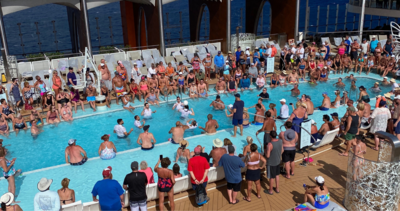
x=11, y=6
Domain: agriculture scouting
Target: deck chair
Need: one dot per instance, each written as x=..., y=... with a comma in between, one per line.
x=323, y=39
x=356, y=38
x=97, y=58
x=134, y=55
x=327, y=139
x=160, y=59
x=25, y=69
x=190, y=56
x=181, y=58
x=144, y=71
x=201, y=49
x=155, y=53
x=43, y=66
x=185, y=52
x=202, y=56
x=338, y=41
x=149, y=61
x=60, y=64
x=173, y=64
x=76, y=206
x=176, y=53
x=169, y=51
x=169, y=59
x=382, y=37
x=91, y=206
x=383, y=42
x=146, y=54
x=120, y=56
x=211, y=48
x=370, y=37
x=214, y=53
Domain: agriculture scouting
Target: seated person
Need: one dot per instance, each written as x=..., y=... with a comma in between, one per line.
x=314, y=131
x=74, y=152
x=323, y=129
x=183, y=154
x=318, y=195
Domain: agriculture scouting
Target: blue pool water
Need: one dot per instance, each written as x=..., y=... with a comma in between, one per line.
x=48, y=149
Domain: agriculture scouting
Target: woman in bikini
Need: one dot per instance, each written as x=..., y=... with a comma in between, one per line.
x=6, y=110
x=193, y=91
x=28, y=95
x=144, y=90
x=274, y=80
x=329, y=64
x=67, y=196
x=320, y=63
x=272, y=109
x=378, y=52
x=63, y=97
x=313, y=50
x=337, y=64
x=19, y=124
x=9, y=171
x=166, y=182
x=360, y=63
x=341, y=49
x=207, y=66
x=181, y=83
x=107, y=150
x=390, y=66
x=370, y=63
x=282, y=78
x=253, y=173
x=40, y=85
x=66, y=113
x=56, y=82
x=312, y=66
x=336, y=103
x=134, y=90
x=196, y=63
x=106, y=93
x=75, y=99
x=238, y=75
x=53, y=116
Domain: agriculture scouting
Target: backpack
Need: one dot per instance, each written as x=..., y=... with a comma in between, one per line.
x=201, y=195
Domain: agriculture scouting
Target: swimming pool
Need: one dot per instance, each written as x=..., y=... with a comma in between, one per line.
x=48, y=149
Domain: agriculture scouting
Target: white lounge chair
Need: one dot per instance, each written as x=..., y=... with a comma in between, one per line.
x=76, y=206
x=338, y=40
x=323, y=39
x=327, y=139
x=356, y=38
x=170, y=51
x=91, y=206
x=382, y=37
x=25, y=69
x=134, y=55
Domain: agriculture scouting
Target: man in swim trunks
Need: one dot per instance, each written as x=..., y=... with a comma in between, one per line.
x=221, y=86
x=105, y=74
x=74, y=152
x=177, y=133
x=211, y=125
x=385, y=82
x=163, y=81
x=326, y=103
x=293, y=77
x=36, y=115
x=118, y=86
x=217, y=103
x=295, y=91
x=201, y=76
x=202, y=87
x=346, y=63
x=148, y=140
x=354, y=50
x=217, y=151
x=258, y=118
x=339, y=83
x=91, y=98
x=310, y=105
x=153, y=83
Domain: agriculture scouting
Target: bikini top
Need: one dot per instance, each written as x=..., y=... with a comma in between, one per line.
x=254, y=162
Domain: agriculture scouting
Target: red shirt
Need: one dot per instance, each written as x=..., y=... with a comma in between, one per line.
x=273, y=51
x=198, y=165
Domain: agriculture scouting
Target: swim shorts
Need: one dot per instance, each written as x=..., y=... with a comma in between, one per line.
x=323, y=109
x=79, y=163
x=91, y=98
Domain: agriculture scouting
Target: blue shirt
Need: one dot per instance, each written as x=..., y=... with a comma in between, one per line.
x=219, y=60
x=232, y=165
x=256, y=59
x=238, y=55
x=348, y=45
x=109, y=192
x=245, y=83
x=238, y=105
x=261, y=52
x=72, y=77
x=373, y=45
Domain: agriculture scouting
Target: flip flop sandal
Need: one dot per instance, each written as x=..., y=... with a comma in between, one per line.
x=244, y=198
x=237, y=201
x=267, y=192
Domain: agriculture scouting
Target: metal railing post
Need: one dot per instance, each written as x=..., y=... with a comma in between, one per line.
x=317, y=19
x=345, y=18
x=337, y=16
x=306, y=22
x=327, y=18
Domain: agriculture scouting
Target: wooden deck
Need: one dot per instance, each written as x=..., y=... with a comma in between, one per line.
x=327, y=163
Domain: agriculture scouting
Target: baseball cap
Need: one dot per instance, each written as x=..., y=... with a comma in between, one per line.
x=382, y=103
x=197, y=149
x=364, y=39
x=334, y=114
x=237, y=95
x=393, y=56
x=134, y=63
x=107, y=171
x=325, y=93
x=101, y=64
x=320, y=179
x=252, y=63
x=219, y=52
x=373, y=37
x=135, y=165
x=282, y=100
x=71, y=141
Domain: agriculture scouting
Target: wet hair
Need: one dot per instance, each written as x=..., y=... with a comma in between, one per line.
x=253, y=147
x=165, y=162
x=209, y=116
x=258, y=105
x=273, y=134
x=288, y=124
x=2, y=100
x=218, y=97
x=135, y=116
x=105, y=137
x=13, y=80
x=65, y=183
x=326, y=117
x=186, y=106
x=227, y=142
x=145, y=104
x=268, y=113
x=176, y=169
x=119, y=121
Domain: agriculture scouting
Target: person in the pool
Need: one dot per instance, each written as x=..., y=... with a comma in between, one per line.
x=339, y=83
x=217, y=103
x=295, y=91
x=336, y=103
x=148, y=140
x=19, y=124
x=107, y=149
x=363, y=94
x=91, y=96
x=66, y=113
x=211, y=125
x=35, y=130
x=183, y=154
x=260, y=101
x=324, y=74
x=74, y=152
x=310, y=105
x=177, y=133
x=217, y=151
x=137, y=122
x=147, y=112
x=376, y=87
x=118, y=85
x=258, y=118
x=220, y=87
x=126, y=104
x=351, y=77
x=326, y=103
x=293, y=77
x=178, y=105
x=185, y=112
x=191, y=124
x=385, y=82
x=268, y=126
x=202, y=89
x=344, y=98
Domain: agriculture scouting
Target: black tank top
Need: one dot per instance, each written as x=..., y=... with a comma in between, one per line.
x=354, y=124
x=231, y=85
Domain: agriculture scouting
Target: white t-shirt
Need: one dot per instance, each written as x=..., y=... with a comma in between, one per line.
x=269, y=52
x=147, y=113
x=137, y=123
x=185, y=113
x=284, y=111
x=150, y=72
x=178, y=106
x=293, y=50
x=120, y=130
x=301, y=51
x=394, y=85
x=247, y=52
x=191, y=126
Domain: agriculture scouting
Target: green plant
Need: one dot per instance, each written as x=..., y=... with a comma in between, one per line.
x=55, y=55
x=35, y=57
x=107, y=49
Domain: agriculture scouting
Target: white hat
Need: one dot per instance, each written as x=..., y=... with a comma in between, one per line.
x=135, y=63
x=397, y=97
x=373, y=36
x=218, y=143
x=180, y=73
x=7, y=198
x=101, y=64
x=230, y=105
x=393, y=56
x=44, y=184
x=247, y=47
x=252, y=63
x=393, y=80
x=282, y=100
x=185, y=102
x=320, y=179
x=226, y=61
x=385, y=77
x=325, y=67
x=312, y=122
x=71, y=141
